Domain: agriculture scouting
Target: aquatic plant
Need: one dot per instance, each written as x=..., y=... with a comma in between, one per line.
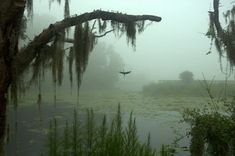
x=90, y=138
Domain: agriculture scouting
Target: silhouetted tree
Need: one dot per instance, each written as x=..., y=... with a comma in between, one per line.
x=39, y=54
x=186, y=76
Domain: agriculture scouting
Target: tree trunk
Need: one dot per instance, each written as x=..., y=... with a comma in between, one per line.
x=2, y=124
x=5, y=80
x=11, y=13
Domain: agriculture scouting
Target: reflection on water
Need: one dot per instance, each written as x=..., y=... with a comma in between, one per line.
x=159, y=116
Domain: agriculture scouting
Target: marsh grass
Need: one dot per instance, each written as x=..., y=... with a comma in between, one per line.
x=106, y=138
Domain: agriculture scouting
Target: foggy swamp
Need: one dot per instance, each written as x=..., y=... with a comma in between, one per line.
x=159, y=84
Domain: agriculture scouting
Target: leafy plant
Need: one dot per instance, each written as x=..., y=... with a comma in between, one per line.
x=212, y=130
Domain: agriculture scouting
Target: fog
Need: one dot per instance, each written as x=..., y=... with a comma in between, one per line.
x=164, y=49
x=162, y=103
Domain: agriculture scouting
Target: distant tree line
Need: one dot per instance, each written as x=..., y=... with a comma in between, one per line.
x=187, y=86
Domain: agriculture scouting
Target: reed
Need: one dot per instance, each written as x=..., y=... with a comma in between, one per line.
x=104, y=139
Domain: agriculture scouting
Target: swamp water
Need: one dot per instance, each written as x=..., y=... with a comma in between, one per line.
x=159, y=116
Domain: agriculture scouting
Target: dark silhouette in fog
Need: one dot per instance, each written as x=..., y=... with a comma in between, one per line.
x=125, y=73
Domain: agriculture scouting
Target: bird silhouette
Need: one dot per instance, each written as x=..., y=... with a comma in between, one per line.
x=125, y=73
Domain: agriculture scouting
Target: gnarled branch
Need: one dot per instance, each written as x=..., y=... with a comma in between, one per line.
x=70, y=40
x=25, y=56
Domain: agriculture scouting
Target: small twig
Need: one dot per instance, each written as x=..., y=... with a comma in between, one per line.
x=70, y=40
x=104, y=33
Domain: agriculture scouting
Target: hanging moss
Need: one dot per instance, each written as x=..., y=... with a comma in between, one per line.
x=51, y=56
x=17, y=86
x=140, y=26
x=30, y=8
x=59, y=1
x=41, y=63
x=102, y=26
x=131, y=33
x=225, y=41
x=78, y=46
x=130, y=28
x=84, y=42
x=58, y=57
x=118, y=28
x=70, y=66
x=88, y=44
x=218, y=46
x=23, y=27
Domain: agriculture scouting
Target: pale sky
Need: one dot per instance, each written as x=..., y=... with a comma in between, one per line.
x=164, y=49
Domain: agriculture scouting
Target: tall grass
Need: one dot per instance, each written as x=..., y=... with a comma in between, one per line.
x=93, y=139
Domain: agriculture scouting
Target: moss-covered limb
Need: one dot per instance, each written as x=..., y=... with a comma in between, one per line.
x=44, y=37
x=223, y=37
x=216, y=16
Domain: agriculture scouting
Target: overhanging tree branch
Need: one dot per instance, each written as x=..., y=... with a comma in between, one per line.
x=27, y=54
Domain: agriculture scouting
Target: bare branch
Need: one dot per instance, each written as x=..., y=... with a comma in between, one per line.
x=102, y=35
x=24, y=57
x=70, y=40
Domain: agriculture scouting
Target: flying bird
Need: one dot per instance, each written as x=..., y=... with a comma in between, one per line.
x=125, y=73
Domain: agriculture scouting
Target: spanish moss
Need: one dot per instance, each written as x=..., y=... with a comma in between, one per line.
x=84, y=42
x=130, y=28
x=102, y=25
x=30, y=8
x=223, y=39
x=23, y=28
x=78, y=46
x=58, y=58
x=70, y=62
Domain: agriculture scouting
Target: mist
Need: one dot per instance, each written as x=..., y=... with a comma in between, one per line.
x=168, y=80
x=163, y=50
